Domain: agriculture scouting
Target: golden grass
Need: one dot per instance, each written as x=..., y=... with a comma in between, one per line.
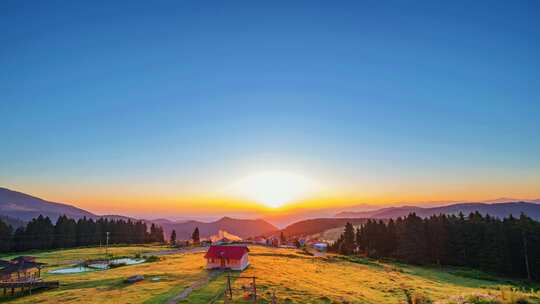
x=174, y=272
x=299, y=278
x=293, y=276
x=85, y=253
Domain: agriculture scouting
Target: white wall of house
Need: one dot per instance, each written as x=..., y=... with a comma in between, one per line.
x=232, y=264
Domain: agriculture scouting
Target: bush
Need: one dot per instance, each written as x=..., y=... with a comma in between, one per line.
x=512, y=296
x=416, y=298
x=507, y=295
x=152, y=258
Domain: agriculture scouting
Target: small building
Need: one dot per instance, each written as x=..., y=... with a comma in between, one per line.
x=234, y=257
x=20, y=269
x=320, y=246
x=259, y=240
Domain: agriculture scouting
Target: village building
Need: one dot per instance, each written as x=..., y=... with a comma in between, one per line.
x=259, y=240
x=20, y=269
x=234, y=257
x=320, y=246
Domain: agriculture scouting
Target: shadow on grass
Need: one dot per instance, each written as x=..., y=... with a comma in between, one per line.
x=354, y=259
x=463, y=277
x=283, y=255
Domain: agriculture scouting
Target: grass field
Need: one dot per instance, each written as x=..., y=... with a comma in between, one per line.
x=175, y=272
x=58, y=256
x=294, y=277
x=298, y=278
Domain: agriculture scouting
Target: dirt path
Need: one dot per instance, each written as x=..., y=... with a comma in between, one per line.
x=198, y=284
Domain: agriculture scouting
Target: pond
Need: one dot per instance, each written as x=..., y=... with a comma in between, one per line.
x=127, y=261
x=97, y=266
x=77, y=269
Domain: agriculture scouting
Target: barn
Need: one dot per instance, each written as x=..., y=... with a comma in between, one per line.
x=234, y=257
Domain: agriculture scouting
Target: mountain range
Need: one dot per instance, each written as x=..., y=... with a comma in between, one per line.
x=16, y=208
x=240, y=227
x=503, y=209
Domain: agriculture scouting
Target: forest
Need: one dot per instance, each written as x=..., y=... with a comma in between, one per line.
x=509, y=246
x=40, y=233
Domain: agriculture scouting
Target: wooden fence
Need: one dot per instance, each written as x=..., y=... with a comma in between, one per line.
x=28, y=285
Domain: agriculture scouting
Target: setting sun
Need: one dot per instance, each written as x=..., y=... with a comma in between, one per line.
x=273, y=188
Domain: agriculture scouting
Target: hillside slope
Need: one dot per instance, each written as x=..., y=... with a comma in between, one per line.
x=313, y=226
x=24, y=207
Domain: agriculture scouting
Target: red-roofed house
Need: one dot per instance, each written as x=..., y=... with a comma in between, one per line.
x=233, y=257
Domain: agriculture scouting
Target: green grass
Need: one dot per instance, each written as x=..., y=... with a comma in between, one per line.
x=86, y=253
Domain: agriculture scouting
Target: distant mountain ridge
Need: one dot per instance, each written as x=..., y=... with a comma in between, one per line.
x=241, y=227
x=18, y=208
x=501, y=210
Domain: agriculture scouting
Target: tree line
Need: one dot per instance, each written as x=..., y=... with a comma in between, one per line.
x=41, y=233
x=509, y=246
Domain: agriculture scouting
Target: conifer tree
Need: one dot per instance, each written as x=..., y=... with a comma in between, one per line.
x=173, y=237
x=195, y=236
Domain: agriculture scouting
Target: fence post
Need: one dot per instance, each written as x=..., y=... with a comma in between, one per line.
x=254, y=291
x=229, y=285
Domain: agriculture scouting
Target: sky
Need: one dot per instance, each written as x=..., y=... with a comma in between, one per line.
x=161, y=108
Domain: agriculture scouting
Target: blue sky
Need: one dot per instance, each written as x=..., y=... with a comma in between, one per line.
x=393, y=99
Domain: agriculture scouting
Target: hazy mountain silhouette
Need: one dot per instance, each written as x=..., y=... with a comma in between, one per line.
x=494, y=209
x=241, y=227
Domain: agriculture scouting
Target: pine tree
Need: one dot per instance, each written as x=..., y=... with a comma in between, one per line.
x=195, y=236
x=65, y=232
x=20, y=242
x=5, y=236
x=40, y=233
x=349, y=241
x=173, y=237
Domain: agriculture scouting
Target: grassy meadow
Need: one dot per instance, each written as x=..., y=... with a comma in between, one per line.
x=292, y=275
x=66, y=255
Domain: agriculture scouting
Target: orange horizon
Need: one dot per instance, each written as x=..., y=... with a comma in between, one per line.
x=198, y=204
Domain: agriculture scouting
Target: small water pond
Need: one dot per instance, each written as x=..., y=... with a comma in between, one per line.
x=77, y=269
x=97, y=266
x=128, y=261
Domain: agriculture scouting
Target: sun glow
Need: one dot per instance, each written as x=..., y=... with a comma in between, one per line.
x=273, y=188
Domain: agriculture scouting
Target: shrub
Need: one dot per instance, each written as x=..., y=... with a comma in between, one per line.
x=416, y=298
x=512, y=296
x=152, y=258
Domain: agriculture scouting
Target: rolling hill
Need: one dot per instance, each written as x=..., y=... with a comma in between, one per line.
x=313, y=226
x=494, y=209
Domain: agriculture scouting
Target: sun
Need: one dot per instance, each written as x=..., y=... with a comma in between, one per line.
x=273, y=188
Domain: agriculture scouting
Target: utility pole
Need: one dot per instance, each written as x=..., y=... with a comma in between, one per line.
x=229, y=285
x=107, y=244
